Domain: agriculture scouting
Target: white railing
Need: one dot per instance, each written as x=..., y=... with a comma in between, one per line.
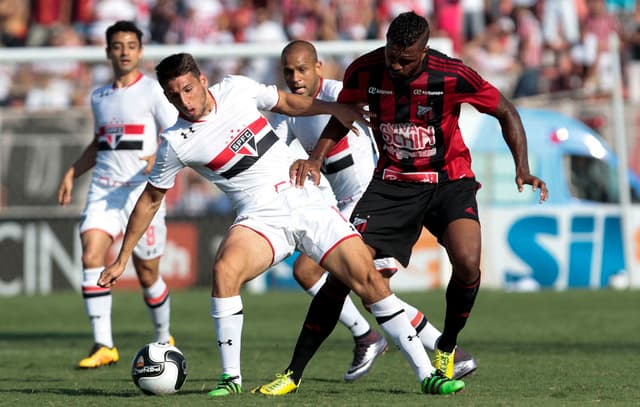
x=243, y=50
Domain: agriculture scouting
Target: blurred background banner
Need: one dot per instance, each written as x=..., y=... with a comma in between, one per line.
x=42, y=255
x=526, y=249
x=574, y=75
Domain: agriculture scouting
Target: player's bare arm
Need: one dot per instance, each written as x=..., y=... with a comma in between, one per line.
x=86, y=161
x=514, y=136
x=150, y=159
x=299, y=105
x=144, y=211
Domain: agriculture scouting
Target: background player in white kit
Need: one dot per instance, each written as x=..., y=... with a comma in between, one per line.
x=128, y=116
x=223, y=136
x=348, y=168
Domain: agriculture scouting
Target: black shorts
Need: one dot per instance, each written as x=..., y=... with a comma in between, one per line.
x=390, y=215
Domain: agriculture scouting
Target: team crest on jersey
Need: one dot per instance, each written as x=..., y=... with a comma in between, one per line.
x=245, y=144
x=360, y=223
x=423, y=110
x=113, y=135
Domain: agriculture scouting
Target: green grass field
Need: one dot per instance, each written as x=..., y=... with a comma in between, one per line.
x=577, y=348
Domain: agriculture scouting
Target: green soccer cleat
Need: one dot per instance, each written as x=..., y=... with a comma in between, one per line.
x=437, y=383
x=226, y=386
x=283, y=384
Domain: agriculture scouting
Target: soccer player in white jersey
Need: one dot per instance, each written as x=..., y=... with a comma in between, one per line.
x=128, y=116
x=222, y=135
x=348, y=168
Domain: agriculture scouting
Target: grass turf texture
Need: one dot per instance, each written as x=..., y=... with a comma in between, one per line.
x=577, y=348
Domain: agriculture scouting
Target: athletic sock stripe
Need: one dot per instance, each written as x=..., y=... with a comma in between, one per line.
x=159, y=303
x=382, y=320
x=159, y=300
x=419, y=319
x=95, y=291
x=420, y=326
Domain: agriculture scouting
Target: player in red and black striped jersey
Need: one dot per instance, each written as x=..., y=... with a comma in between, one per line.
x=423, y=177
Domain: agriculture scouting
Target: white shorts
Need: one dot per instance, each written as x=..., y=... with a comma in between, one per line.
x=301, y=219
x=109, y=208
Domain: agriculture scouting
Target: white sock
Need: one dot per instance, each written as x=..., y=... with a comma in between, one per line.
x=350, y=316
x=159, y=305
x=393, y=321
x=228, y=318
x=429, y=334
x=97, y=304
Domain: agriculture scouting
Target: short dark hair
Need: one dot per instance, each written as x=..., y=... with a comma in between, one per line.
x=176, y=65
x=406, y=29
x=123, y=26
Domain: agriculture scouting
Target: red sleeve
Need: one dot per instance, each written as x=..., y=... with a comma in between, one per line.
x=475, y=90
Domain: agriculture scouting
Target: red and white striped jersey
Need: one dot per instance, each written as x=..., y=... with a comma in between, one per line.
x=127, y=124
x=233, y=147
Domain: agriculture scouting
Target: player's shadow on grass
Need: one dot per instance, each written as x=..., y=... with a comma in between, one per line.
x=551, y=346
x=95, y=392
x=40, y=336
x=344, y=387
x=75, y=392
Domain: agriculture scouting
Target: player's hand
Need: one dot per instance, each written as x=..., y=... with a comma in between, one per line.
x=300, y=170
x=65, y=188
x=110, y=274
x=150, y=159
x=535, y=182
x=350, y=114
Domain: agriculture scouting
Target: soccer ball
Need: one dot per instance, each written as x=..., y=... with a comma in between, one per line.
x=159, y=368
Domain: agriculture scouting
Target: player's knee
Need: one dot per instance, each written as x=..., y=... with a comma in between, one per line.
x=92, y=259
x=299, y=275
x=371, y=287
x=227, y=278
x=466, y=269
x=306, y=276
x=147, y=276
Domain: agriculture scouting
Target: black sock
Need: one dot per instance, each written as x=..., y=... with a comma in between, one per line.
x=460, y=298
x=322, y=317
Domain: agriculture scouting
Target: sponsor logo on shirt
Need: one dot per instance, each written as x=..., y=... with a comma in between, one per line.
x=375, y=91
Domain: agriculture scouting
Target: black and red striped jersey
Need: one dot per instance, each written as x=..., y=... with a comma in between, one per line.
x=416, y=127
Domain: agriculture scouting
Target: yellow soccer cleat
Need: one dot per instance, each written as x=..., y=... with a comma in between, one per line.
x=444, y=362
x=283, y=384
x=172, y=341
x=99, y=356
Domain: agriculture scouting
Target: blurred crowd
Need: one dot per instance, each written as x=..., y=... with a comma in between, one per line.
x=525, y=47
